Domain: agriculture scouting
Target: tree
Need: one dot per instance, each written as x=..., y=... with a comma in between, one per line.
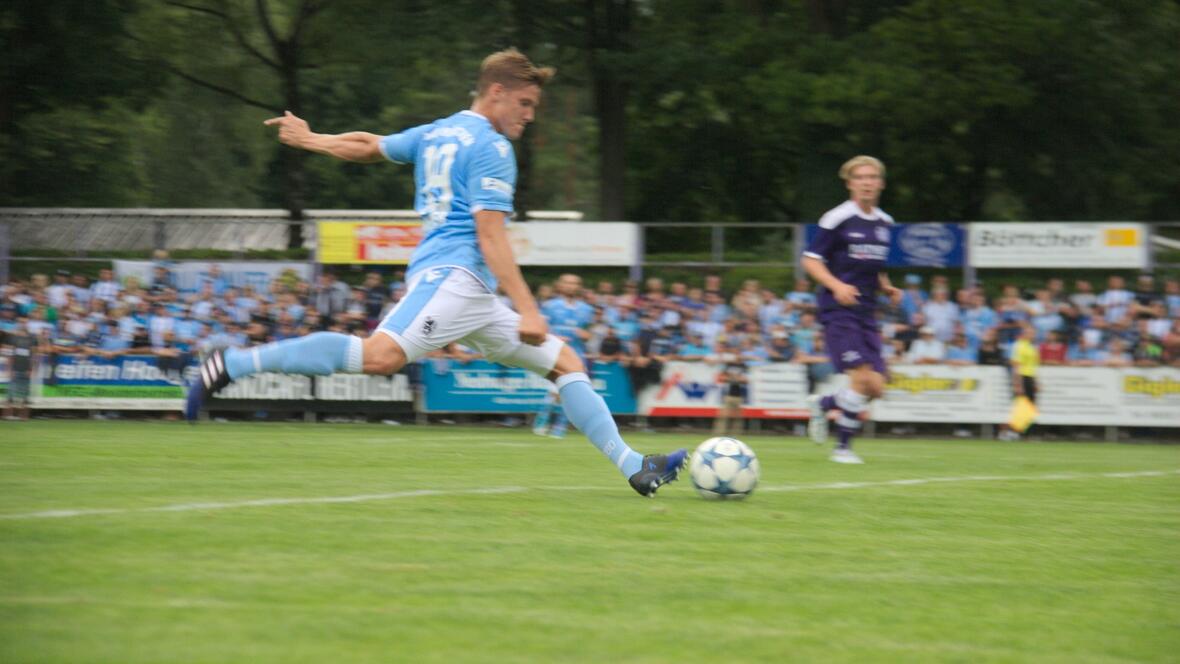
x=276, y=38
x=70, y=92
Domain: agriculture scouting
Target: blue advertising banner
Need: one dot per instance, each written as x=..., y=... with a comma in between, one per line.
x=484, y=387
x=920, y=245
x=80, y=376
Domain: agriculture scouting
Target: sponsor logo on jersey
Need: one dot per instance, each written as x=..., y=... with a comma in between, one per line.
x=502, y=147
x=868, y=252
x=496, y=184
x=460, y=133
x=428, y=326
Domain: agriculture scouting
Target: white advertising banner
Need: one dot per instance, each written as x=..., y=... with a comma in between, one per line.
x=1082, y=396
x=575, y=243
x=1109, y=397
x=686, y=389
x=1059, y=245
x=692, y=389
x=336, y=387
x=188, y=275
x=944, y=393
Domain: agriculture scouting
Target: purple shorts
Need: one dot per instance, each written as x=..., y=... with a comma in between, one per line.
x=852, y=339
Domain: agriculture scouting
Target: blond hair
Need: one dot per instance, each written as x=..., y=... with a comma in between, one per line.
x=861, y=160
x=512, y=69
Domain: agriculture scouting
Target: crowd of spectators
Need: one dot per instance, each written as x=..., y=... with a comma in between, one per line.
x=638, y=324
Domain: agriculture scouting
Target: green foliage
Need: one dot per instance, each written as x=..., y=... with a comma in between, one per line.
x=736, y=111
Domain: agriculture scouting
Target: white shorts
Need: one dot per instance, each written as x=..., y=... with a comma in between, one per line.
x=446, y=304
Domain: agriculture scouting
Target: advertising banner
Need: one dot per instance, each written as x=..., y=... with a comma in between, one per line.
x=920, y=245
x=5, y=377
x=337, y=387
x=484, y=387
x=1104, y=396
x=534, y=243
x=367, y=242
x=942, y=393
x=691, y=389
x=575, y=243
x=1059, y=245
x=120, y=383
x=188, y=275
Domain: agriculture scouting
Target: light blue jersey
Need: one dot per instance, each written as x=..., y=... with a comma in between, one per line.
x=461, y=165
x=565, y=319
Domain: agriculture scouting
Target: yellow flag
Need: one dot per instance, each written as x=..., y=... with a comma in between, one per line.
x=1022, y=415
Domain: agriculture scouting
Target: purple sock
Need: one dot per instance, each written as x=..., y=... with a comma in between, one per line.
x=844, y=437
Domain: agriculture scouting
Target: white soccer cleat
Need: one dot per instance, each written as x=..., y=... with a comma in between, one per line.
x=845, y=456
x=817, y=425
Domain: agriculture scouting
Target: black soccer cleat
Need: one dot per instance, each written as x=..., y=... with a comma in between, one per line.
x=212, y=378
x=658, y=470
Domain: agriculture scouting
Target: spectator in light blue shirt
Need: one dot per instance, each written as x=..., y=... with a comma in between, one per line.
x=718, y=310
x=803, y=336
x=961, y=351
x=693, y=348
x=803, y=295
x=626, y=324
x=912, y=298
x=213, y=281
x=1172, y=297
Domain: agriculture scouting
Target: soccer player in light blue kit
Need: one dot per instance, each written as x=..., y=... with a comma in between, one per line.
x=465, y=172
x=569, y=317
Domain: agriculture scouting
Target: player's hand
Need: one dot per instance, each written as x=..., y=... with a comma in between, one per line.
x=846, y=294
x=533, y=329
x=293, y=130
x=893, y=293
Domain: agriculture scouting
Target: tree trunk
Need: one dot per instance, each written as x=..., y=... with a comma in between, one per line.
x=524, y=24
x=294, y=174
x=609, y=23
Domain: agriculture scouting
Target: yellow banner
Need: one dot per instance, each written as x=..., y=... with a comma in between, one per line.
x=367, y=242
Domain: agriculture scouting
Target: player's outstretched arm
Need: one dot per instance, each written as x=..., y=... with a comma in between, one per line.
x=845, y=294
x=357, y=146
x=497, y=253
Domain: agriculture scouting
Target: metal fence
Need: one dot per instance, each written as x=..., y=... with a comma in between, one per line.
x=99, y=234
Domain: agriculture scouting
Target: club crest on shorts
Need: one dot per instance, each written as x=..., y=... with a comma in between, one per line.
x=428, y=326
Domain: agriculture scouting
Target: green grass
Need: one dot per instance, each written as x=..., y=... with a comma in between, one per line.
x=1044, y=569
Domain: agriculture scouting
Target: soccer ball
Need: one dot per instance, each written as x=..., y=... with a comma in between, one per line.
x=724, y=469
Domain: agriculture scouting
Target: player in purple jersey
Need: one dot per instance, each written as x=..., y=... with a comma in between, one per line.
x=847, y=258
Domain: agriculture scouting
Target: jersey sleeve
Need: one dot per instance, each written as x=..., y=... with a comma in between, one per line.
x=401, y=148
x=491, y=179
x=826, y=238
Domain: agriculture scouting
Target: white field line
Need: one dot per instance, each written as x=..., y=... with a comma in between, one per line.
x=1051, y=477
x=370, y=497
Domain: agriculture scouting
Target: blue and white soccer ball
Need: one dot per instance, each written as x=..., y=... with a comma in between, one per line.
x=724, y=469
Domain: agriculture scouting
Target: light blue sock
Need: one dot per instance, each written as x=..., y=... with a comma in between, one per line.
x=560, y=423
x=588, y=412
x=541, y=424
x=317, y=354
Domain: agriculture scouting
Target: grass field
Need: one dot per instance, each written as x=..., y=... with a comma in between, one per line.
x=151, y=542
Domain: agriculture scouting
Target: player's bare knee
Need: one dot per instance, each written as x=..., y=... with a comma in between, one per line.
x=567, y=362
x=874, y=385
x=382, y=356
